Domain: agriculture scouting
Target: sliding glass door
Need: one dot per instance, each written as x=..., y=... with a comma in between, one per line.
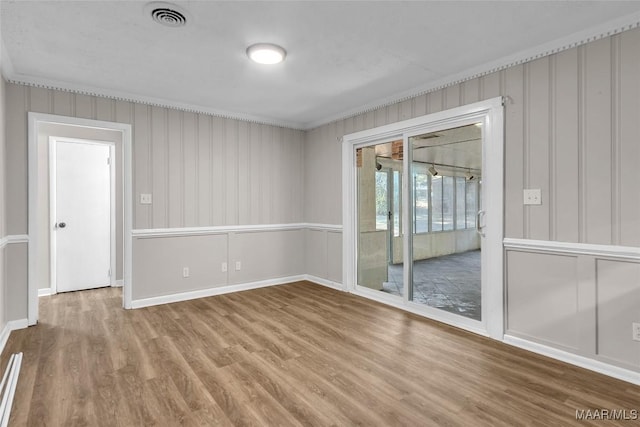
x=379, y=191
x=446, y=168
x=423, y=215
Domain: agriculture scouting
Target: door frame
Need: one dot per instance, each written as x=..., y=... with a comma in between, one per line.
x=53, y=168
x=34, y=150
x=490, y=113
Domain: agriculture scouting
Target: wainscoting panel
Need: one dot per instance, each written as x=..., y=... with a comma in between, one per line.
x=265, y=255
x=334, y=256
x=159, y=263
x=316, y=253
x=618, y=305
x=542, y=298
x=580, y=298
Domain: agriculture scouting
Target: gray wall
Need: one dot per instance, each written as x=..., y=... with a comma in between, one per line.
x=263, y=255
x=572, y=129
x=3, y=216
x=203, y=171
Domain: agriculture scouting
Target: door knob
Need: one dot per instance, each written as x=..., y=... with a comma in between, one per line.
x=62, y=225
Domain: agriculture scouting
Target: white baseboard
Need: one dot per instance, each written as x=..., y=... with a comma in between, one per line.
x=324, y=282
x=119, y=284
x=11, y=326
x=574, y=359
x=202, y=293
x=44, y=292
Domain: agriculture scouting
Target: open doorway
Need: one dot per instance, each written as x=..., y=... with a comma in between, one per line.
x=423, y=215
x=445, y=176
x=379, y=214
x=446, y=171
x=41, y=128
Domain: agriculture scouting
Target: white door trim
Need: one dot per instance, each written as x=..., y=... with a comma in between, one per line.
x=34, y=121
x=490, y=113
x=53, y=141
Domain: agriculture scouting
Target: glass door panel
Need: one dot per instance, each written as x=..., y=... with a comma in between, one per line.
x=379, y=171
x=446, y=167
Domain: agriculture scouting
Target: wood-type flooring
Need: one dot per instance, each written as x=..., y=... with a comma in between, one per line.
x=288, y=355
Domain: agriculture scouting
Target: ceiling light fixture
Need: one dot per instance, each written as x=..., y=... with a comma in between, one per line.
x=470, y=176
x=266, y=53
x=433, y=171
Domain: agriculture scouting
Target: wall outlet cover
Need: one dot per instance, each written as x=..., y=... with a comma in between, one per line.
x=636, y=331
x=532, y=196
x=145, y=199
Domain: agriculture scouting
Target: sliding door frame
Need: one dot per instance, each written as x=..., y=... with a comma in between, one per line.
x=490, y=113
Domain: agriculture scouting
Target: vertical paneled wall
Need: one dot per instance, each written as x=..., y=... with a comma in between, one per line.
x=201, y=170
x=3, y=216
x=3, y=163
x=572, y=130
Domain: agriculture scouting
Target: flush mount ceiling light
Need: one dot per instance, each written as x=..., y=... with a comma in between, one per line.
x=167, y=14
x=266, y=53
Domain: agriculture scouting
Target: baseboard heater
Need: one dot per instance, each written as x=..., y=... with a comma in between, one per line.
x=8, y=387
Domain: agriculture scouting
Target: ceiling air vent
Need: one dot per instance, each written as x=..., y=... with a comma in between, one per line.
x=167, y=14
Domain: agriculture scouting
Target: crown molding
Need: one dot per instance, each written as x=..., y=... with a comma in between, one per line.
x=579, y=38
x=51, y=84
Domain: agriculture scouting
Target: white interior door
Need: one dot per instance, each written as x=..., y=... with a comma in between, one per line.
x=81, y=214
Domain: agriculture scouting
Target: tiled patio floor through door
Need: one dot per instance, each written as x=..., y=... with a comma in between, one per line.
x=450, y=282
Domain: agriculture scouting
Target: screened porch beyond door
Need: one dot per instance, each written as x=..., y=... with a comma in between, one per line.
x=449, y=282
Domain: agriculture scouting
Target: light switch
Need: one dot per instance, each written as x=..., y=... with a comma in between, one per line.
x=532, y=196
x=145, y=199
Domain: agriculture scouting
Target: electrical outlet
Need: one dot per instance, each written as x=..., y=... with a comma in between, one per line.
x=238, y=265
x=185, y=272
x=224, y=267
x=145, y=199
x=532, y=196
x=636, y=331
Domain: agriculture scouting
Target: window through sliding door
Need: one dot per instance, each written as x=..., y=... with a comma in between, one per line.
x=446, y=168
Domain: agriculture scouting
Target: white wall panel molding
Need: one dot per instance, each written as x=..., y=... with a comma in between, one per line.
x=203, y=293
x=223, y=229
x=589, y=294
x=332, y=228
x=140, y=99
x=583, y=362
x=325, y=282
x=16, y=238
x=45, y=292
x=620, y=252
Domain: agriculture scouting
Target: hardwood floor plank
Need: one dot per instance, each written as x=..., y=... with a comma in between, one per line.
x=289, y=355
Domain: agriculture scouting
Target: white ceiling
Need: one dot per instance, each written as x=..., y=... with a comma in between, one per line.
x=343, y=57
